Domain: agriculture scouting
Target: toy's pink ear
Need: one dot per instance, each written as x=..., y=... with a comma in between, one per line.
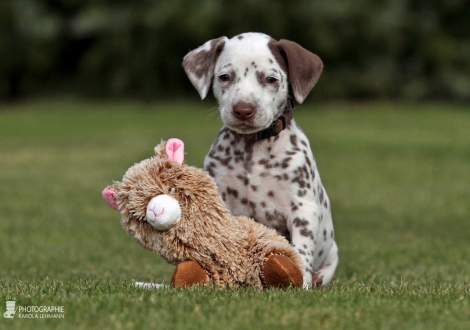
x=110, y=197
x=175, y=150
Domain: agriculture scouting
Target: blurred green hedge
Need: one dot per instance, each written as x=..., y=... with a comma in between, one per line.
x=392, y=49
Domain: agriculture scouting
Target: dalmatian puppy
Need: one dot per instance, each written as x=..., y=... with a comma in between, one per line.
x=261, y=159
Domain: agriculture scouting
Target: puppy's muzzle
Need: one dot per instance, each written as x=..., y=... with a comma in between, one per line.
x=244, y=111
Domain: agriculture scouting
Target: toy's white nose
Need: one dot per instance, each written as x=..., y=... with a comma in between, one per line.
x=163, y=211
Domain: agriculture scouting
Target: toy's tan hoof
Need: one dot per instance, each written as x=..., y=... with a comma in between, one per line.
x=188, y=273
x=281, y=272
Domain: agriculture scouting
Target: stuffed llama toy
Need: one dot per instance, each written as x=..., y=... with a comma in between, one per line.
x=175, y=211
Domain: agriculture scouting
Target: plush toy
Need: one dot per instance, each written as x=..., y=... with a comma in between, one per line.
x=175, y=211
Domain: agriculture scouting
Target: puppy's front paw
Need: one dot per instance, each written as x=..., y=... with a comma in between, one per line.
x=317, y=279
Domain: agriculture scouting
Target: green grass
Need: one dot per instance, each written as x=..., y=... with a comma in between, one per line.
x=398, y=177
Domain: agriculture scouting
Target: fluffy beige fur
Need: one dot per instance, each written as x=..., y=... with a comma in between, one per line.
x=230, y=249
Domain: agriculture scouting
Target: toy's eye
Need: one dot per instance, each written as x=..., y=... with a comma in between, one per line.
x=271, y=80
x=224, y=77
x=172, y=190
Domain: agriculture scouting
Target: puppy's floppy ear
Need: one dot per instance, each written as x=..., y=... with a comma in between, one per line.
x=199, y=64
x=302, y=67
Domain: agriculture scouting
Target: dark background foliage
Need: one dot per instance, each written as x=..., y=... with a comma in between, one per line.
x=388, y=49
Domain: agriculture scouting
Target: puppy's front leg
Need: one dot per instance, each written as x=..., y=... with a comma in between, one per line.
x=303, y=233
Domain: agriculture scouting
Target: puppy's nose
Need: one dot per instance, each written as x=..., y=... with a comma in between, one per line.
x=243, y=110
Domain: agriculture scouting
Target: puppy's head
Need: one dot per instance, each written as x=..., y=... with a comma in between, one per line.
x=250, y=76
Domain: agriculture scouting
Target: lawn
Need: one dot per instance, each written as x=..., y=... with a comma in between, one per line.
x=398, y=176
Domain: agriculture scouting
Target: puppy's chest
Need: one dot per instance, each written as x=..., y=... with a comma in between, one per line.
x=256, y=180
x=253, y=179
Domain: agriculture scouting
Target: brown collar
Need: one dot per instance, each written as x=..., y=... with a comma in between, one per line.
x=276, y=126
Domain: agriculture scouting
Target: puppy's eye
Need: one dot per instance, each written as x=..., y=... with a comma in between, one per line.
x=172, y=190
x=271, y=80
x=224, y=77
